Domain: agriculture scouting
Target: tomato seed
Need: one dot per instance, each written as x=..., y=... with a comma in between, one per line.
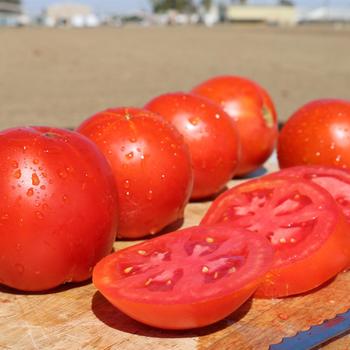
x=128, y=269
x=205, y=269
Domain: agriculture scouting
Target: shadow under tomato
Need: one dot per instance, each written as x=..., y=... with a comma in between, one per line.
x=209, y=198
x=114, y=318
x=256, y=173
x=62, y=288
x=174, y=226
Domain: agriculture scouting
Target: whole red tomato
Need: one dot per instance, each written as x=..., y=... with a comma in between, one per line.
x=254, y=112
x=317, y=133
x=210, y=134
x=151, y=164
x=58, y=213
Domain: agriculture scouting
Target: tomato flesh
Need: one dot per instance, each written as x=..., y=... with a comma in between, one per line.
x=301, y=220
x=335, y=180
x=185, y=279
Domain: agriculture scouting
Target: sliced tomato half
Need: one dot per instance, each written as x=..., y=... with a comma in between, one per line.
x=185, y=279
x=335, y=180
x=303, y=223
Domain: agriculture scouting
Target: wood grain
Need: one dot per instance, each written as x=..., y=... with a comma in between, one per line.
x=78, y=317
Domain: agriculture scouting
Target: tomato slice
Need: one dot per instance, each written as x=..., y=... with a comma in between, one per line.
x=335, y=180
x=185, y=279
x=303, y=223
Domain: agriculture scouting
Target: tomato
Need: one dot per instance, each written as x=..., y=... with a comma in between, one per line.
x=254, y=113
x=335, y=180
x=185, y=279
x=303, y=223
x=58, y=213
x=317, y=133
x=151, y=165
x=210, y=134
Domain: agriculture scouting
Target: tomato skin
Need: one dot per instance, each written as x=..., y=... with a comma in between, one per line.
x=317, y=133
x=320, y=252
x=151, y=165
x=210, y=134
x=311, y=270
x=250, y=106
x=191, y=301
x=58, y=214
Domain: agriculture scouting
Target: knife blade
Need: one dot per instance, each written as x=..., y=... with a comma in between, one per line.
x=316, y=335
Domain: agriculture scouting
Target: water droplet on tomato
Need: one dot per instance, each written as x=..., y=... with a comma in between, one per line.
x=17, y=174
x=126, y=183
x=35, y=161
x=45, y=206
x=150, y=195
x=129, y=155
x=35, y=179
x=62, y=173
x=132, y=139
x=14, y=164
x=162, y=176
x=43, y=187
x=127, y=193
x=4, y=217
x=338, y=158
x=30, y=192
x=317, y=154
x=109, y=152
x=142, y=157
x=217, y=116
x=64, y=198
x=194, y=120
x=39, y=215
x=19, y=268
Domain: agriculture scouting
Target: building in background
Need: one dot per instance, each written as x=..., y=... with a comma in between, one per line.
x=272, y=14
x=325, y=14
x=10, y=12
x=72, y=15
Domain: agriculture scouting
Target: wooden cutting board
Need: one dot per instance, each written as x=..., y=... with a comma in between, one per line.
x=78, y=317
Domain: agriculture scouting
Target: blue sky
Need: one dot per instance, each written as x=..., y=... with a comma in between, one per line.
x=100, y=6
x=127, y=6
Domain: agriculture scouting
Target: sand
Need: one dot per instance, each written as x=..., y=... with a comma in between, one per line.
x=59, y=77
